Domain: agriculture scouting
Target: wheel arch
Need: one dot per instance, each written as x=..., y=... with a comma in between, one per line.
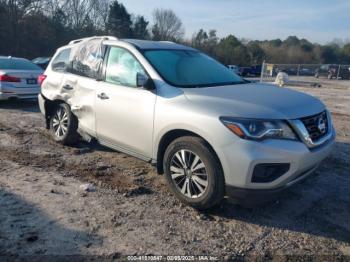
x=49, y=107
x=169, y=137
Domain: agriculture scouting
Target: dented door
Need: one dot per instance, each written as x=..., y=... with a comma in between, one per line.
x=80, y=93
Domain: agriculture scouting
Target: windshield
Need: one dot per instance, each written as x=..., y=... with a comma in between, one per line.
x=187, y=68
x=17, y=64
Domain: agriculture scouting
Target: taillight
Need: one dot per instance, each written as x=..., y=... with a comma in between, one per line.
x=7, y=78
x=41, y=79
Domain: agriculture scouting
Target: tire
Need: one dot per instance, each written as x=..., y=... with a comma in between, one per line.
x=64, y=125
x=199, y=182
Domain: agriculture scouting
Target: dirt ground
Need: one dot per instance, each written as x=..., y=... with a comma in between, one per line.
x=43, y=212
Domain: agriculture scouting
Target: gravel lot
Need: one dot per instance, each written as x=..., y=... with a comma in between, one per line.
x=43, y=211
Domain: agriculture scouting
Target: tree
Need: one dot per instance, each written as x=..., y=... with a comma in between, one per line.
x=37, y=30
x=330, y=54
x=256, y=53
x=78, y=13
x=205, y=42
x=231, y=51
x=199, y=39
x=139, y=29
x=167, y=26
x=119, y=21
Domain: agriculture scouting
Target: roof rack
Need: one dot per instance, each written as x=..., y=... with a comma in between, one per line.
x=93, y=37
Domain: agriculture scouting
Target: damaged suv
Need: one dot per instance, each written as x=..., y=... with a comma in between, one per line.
x=209, y=131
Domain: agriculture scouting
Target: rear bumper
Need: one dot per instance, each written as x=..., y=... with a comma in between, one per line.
x=19, y=93
x=41, y=101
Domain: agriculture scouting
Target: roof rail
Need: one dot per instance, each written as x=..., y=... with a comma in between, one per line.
x=93, y=37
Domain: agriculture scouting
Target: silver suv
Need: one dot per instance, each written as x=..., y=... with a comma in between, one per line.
x=210, y=132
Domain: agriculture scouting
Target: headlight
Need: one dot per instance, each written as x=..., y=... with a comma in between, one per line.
x=257, y=129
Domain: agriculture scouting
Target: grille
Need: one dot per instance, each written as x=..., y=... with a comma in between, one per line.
x=316, y=125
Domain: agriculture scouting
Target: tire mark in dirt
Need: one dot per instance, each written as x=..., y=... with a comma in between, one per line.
x=34, y=148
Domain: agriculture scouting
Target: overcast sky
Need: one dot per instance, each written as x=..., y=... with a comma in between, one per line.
x=317, y=20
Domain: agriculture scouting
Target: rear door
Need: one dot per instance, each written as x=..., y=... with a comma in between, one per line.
x=124, y=112
x=80, y=93
x=74, y=86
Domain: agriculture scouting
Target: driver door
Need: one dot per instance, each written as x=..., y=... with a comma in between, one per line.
x=124, y=112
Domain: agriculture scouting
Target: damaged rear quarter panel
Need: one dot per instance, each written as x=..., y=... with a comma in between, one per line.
x=81, y=98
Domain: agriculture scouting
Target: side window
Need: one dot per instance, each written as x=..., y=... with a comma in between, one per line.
x=122, y=67
x=61, y=61
x=87, y=58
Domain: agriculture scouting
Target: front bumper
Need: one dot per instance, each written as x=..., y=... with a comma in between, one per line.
x=254, y=197
x=240, y=159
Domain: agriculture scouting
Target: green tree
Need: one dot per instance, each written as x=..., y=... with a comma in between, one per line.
x=330, y=54
x=119, y=21
x=346, y=53
x=231, y=51
x=199, y=39
x=256, y=53
x=139, y=28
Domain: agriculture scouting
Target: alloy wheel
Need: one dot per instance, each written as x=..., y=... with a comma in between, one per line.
x=188, y=173
x=60, y=122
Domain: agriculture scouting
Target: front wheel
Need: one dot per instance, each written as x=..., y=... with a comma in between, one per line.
x=194, y=173
x=64, y=125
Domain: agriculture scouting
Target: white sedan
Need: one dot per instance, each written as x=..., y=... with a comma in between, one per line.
x=18, y=78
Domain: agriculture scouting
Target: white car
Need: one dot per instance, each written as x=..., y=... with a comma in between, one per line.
x=210, y=132
x=18, y=78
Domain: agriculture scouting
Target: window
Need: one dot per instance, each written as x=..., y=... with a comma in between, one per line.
x=61, y=61
x=17, y=64
x=87, y=58
x=122, y=67
x=187, y=68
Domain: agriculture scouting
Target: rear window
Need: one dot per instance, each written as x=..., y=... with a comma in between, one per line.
x=61, y=61
x=17, y=64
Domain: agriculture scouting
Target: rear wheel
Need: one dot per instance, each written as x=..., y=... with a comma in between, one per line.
x=193, y=172
x=64, y=125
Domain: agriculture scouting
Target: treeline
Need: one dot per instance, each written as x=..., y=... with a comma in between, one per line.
x=32, y=28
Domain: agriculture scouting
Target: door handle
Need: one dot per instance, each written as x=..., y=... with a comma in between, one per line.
x=68, y=87
x=102, y=96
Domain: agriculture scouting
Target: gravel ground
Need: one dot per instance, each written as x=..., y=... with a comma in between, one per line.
x=43, y=212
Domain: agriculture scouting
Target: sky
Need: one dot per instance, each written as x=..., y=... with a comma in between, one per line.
x=319, y=21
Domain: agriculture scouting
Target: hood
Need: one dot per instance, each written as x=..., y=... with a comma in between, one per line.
x=254, y=100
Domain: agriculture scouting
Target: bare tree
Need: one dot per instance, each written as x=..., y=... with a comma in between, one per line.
x=99, y=13
x=167, y=25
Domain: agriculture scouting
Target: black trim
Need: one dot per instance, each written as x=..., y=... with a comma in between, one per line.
x=253, y=197
x=262, y=172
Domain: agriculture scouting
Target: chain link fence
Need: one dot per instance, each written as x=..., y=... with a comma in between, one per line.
x=308, y=74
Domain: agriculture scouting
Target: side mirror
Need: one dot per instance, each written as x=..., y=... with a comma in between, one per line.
x=144, y=81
